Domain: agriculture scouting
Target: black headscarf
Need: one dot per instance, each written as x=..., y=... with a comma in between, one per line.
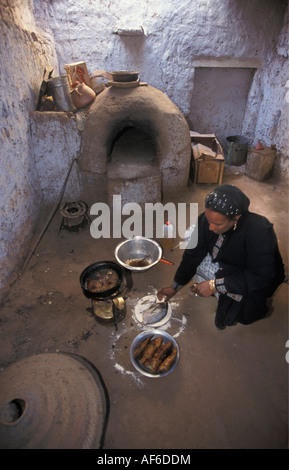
x=228, y=200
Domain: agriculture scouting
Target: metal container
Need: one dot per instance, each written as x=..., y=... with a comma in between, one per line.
x=138, y=253
x=58, y=87
x=237, y=150
x=153, y=333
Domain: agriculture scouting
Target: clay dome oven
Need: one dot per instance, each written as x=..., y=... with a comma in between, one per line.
x=140, y=141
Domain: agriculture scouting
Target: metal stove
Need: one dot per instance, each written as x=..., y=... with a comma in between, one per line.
x=107, y=298
x=74, y=216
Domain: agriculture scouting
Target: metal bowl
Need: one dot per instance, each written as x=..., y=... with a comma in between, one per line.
x=154, y=333
x=134, y=252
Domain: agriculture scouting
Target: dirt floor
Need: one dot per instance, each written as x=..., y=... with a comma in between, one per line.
x=229, y=389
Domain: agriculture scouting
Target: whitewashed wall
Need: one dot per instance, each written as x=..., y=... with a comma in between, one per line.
x=24, y=53
x=179, y=36
x=267, y=113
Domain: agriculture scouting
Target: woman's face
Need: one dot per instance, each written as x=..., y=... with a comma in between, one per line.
x=219, y=223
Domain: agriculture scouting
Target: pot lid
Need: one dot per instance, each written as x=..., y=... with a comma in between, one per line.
x=51, y=401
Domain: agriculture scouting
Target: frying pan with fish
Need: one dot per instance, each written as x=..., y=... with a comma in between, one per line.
x=97, y=271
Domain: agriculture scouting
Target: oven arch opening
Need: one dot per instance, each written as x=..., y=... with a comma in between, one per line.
x=131, y=146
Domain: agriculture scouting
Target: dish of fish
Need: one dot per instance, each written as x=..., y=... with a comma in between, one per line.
x=154, y=353
x=151, y=312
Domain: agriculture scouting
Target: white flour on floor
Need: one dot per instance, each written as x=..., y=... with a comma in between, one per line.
x=136, y=377
x=116, y=336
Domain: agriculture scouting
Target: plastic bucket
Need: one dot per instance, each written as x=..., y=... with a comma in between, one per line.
x=60, y=91
x=237, y=148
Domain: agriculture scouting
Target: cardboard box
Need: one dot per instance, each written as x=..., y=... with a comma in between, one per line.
x=209, y=158
x=77, y=71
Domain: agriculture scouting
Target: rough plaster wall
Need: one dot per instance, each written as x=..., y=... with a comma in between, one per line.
x=23, y=56
x=56, y=141
x=177, y=33
x=219, y=101
x=267, y=114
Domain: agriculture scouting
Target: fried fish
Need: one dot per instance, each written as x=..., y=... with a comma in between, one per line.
x=150, y=349
x=141, y=347
x=168, y=361
x=160, y=354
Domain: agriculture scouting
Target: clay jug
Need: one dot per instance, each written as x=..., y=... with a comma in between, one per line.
x=259, y=146
x=82, y=95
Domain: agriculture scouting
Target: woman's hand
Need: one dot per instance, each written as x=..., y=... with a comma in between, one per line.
x=167, y=292
x=203, y=289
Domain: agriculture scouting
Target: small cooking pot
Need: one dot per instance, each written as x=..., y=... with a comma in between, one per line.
x=93, y=271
